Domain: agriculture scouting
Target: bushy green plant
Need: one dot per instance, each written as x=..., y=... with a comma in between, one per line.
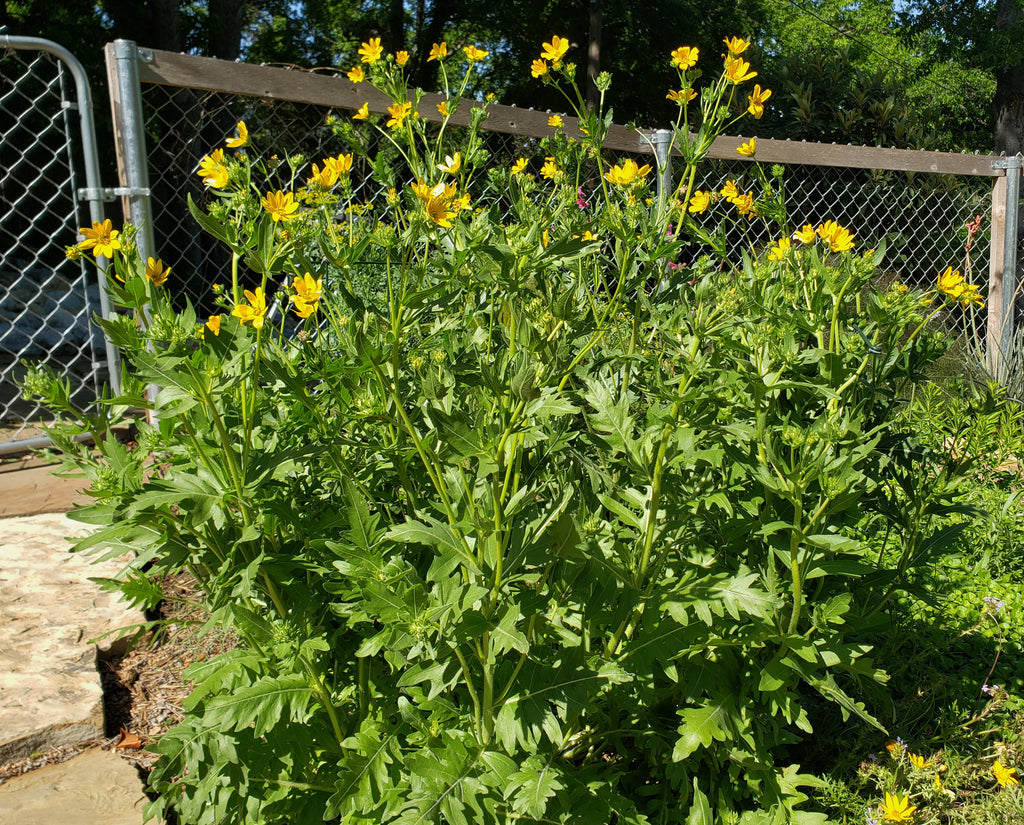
x=543, y=529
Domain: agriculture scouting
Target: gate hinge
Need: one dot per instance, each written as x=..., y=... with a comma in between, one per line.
x=111, y=193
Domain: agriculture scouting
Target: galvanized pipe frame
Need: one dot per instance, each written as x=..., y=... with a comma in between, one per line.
x=93, y=192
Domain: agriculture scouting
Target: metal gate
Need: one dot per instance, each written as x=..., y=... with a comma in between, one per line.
x=47, y=301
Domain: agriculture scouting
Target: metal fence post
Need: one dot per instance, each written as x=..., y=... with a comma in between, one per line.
x=662, y=142
x=1003, y=267
x=130, y=140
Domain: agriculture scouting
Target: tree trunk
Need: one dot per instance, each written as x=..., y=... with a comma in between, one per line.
x=1009, y=99
x=396, y=25
x=225, y=29
x=594, y=52
x=167, y=26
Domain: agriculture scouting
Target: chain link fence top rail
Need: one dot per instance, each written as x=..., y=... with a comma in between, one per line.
x=918, y=213
x=46, y=300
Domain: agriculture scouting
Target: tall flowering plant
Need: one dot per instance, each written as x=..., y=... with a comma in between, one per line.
x=517, y=521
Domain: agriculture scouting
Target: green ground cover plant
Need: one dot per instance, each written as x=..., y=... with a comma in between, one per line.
x=518, y=520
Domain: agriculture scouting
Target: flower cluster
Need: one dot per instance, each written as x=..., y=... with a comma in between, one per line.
x=953, y=284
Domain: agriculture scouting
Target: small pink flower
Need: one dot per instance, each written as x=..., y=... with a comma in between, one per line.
x=581, y=199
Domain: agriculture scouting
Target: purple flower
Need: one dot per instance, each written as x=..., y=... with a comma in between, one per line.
x=581, y=199
x=996, y=604
x=991, y=690
x=872, y=757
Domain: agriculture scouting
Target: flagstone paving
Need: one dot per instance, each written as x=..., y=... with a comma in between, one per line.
x=54, y=626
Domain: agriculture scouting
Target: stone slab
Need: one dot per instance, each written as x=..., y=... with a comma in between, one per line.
x=28, y=487
x=50, y=691
x=95, y=788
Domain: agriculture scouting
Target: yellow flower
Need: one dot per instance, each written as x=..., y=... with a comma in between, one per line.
x=699, y=202
x=550, y=169
x=950, y=281
x=241, y=140
x=324, y=178
x=971, y=295
x=1004, y=776
x=371, y=52
x=473, y=54
x=837, y=238
x=341, y=164
x=422, y=190
x=519, y=166
x=737, y=70
x=806, y=236
x=918, y=762
x=538, y=68
x=729, y=191
x=213, y=171
x=213, y=323
x=756, y=99
x=778, y=252
x=253, y=312
x=356, y=74
x=588, y=236
x=363, y=113
x=748, y=148
x=401, y=58
x=625, y=173
x=101, y=239
x=439, y=211
x=736, y=45
x=685, y=57
x=308, y=291
x=442, y=107
x=745, y=204
x=682, y=95
x=897, y=809
x=438, y=51
x=280, y=205
x=452, y=163
x=156, y=274
x=556, y=121
x=399, y=112
x=555, y=50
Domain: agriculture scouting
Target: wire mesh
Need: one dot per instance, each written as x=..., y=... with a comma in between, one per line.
x=46, y=300
x=184, y=125
x=920, y=218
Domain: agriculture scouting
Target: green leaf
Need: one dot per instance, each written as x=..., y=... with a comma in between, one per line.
x=700, y=808
x=261, y=705
x=701, y=726
x=434, y=533
x=740, y=596
x=532, y=786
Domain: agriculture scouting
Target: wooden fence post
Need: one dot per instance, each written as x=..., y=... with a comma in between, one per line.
x=1003, y=267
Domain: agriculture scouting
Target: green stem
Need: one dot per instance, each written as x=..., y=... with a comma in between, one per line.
x=325, y=699
x=794, y=563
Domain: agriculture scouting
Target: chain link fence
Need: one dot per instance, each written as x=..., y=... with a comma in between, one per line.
x=46, y=301
x=184, y=125
x=921, y=218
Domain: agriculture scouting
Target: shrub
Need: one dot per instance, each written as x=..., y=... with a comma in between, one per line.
x=518, y=520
